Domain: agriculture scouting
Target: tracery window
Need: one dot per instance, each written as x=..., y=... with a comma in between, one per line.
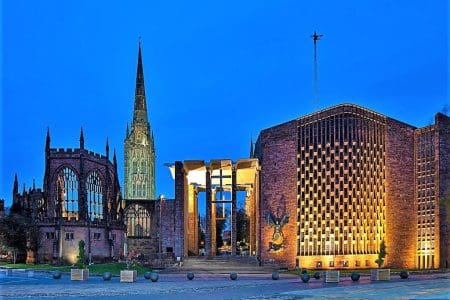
x=67, y=193
x=138, y=221
x=139, y=177
x=41, y=210
x=94, y=196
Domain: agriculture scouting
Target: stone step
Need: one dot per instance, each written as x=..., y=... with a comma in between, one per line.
x=220, y=265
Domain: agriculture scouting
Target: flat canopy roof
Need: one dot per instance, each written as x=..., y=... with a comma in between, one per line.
x=196, y=171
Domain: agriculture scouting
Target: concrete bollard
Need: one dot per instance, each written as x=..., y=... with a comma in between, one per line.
x=154, y=277
x=355, y=276
x=275, y=275
x=107, y=276
x=57, y=274
x=317, y=275
x=147, y=275
x=190, y=275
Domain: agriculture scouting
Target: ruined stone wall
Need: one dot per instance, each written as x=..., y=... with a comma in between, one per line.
x=103, y=236
x=82, y=162
x=168, y=226
x=107, y=245
x=277, y=153
x=401, y=208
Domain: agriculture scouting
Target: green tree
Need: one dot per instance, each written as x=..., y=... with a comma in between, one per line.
x=381, y=255
x=201, y=233
x=242, y=225
x=13, y=235
x=81, y=255
x=34, y=239
x=220, y=227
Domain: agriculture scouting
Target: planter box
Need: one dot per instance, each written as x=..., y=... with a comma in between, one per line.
x=331, y=276
x=79, y=274
x=128, y=275
x=380, y=274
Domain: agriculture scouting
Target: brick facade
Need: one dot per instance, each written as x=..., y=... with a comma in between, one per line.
x=375, y=190
x=442, y=146
x=401, y=208
x=276, y=149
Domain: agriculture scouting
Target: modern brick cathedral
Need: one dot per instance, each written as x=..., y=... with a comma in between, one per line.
x=349, y=178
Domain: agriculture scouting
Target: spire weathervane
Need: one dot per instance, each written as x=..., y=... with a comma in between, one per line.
x=316, y=37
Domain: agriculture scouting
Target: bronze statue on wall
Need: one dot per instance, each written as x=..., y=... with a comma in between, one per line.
x=277, y=243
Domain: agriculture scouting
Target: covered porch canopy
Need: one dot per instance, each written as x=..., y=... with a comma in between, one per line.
x=217, y=177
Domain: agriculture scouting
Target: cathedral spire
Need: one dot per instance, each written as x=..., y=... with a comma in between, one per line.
x=140, y=89
x=107, y=148
x=16, y=185
x=139, y=145
x=252, y=150
x=140, y=105
x=47, y=140
x=115, y=159
x=81, y=139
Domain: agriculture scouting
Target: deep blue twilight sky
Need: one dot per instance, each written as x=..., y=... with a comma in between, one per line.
x=216, y=72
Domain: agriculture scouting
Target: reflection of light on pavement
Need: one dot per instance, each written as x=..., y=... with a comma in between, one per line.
x=5, y=280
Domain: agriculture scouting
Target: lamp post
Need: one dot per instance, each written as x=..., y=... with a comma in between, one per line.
x=161, y=199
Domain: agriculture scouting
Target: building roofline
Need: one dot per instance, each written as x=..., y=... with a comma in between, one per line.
x=335, y=107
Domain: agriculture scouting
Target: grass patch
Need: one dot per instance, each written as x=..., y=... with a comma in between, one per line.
x=95, y=269
x=115, y=268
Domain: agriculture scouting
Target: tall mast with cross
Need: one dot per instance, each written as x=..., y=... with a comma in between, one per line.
x=316, y=37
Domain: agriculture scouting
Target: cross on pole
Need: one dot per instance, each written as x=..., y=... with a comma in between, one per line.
x=316, y=37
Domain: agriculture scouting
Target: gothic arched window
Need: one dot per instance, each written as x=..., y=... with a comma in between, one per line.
x=94, y=196
x=138, y=221
x=144, y=166
x=41, y=209
x=67, y=193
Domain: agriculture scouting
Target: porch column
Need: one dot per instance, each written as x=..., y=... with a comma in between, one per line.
x=208, y=240
x=179, y=208
x=233, y=212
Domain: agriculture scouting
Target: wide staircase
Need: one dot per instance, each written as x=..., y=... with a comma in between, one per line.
x=220, y=265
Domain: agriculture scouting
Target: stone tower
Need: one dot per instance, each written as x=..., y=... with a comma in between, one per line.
x=139, y=146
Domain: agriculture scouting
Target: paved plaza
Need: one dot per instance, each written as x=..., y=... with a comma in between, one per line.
x=219, y=286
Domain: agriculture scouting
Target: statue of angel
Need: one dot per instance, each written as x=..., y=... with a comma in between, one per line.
x=277, y=243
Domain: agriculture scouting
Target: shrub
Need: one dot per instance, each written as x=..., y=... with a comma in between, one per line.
x=81, y=255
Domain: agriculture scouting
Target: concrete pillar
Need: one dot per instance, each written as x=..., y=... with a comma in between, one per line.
x=213, y=225
x=251, y=216
x=192, y=230
x=208, y=248
x=179, y=209
x=196, y=229
x=233, y=212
